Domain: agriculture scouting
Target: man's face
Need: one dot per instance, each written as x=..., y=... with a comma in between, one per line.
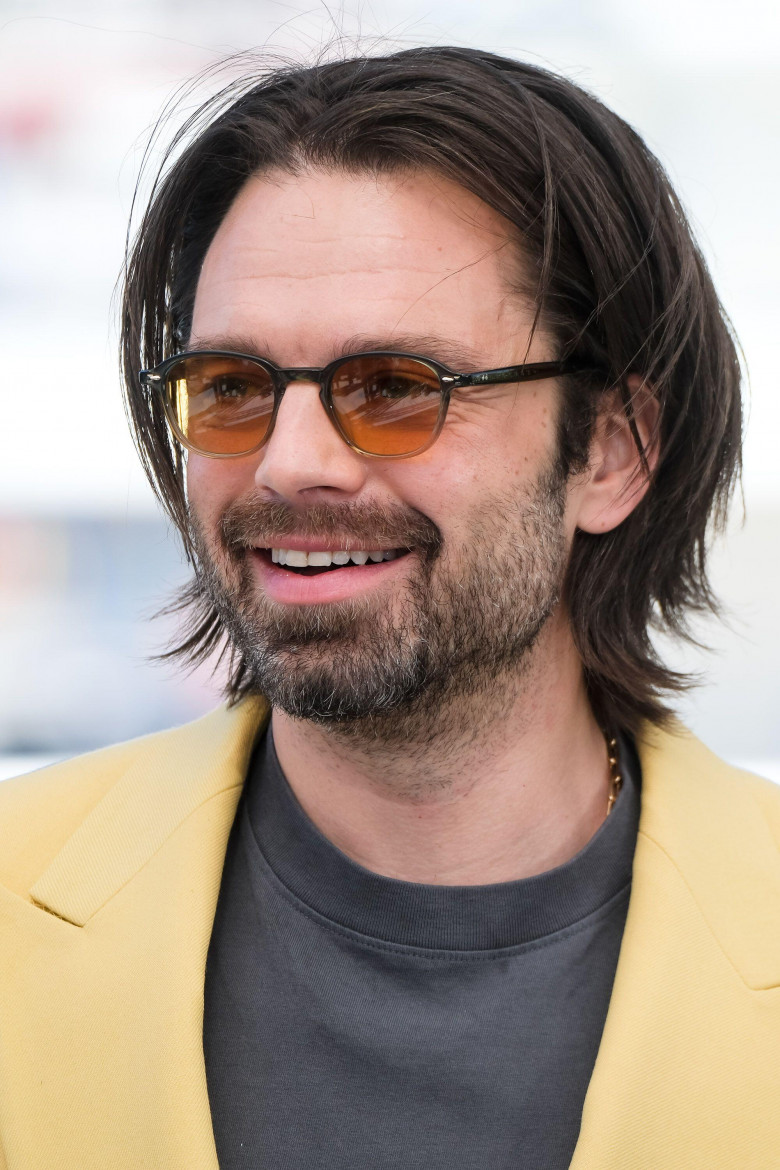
x=302, y=270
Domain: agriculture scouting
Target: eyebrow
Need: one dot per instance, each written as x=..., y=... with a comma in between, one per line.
x=451, y=353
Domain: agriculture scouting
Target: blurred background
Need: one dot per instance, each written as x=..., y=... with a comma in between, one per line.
x=85, y=557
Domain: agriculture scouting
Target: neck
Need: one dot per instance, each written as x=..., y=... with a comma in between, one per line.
x=503, y=786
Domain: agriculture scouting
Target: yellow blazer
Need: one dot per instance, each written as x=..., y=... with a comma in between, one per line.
x=110, y=866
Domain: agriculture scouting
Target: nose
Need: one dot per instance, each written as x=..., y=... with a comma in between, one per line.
x=305, y=455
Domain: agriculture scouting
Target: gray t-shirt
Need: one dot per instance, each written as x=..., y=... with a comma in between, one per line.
x=354, y=1021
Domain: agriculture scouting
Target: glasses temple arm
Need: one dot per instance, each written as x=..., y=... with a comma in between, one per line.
x=526, y=373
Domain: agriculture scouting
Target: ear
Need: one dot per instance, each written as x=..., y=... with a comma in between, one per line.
x=615, y=480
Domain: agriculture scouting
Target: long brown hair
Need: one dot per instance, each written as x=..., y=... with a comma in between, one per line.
x=615, y=274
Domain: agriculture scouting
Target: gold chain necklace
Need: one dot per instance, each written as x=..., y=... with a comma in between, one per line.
x=616, y=780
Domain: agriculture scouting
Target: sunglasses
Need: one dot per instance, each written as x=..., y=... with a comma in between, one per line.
x=384, y=404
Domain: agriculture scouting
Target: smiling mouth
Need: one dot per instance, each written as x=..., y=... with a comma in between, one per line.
x=312, y=564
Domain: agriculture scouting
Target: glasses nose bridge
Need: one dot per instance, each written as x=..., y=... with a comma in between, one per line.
x=301, y=374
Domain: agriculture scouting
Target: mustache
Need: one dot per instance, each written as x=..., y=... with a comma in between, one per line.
x=346, y=524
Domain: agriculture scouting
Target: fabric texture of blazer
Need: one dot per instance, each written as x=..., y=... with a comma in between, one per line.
x=110, y=866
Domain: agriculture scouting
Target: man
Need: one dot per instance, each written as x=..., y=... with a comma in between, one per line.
x=439, y=394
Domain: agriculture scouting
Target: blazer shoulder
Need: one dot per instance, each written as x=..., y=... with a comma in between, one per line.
x=766, y=795
x=737, y=788
x=719, y=827
x=694, y=766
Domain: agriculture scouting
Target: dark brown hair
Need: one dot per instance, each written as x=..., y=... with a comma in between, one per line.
x=616, y=276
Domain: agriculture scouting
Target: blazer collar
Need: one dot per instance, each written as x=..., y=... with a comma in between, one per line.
x=169, y=776
x=709, y=828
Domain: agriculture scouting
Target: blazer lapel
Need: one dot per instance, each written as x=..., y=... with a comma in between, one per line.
x=682, y=1075
x=120, y=984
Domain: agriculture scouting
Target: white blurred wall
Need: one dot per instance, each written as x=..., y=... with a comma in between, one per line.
x=80, y=83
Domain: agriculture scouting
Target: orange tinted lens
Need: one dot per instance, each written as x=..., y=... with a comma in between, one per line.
x=387, y=405
x=223, y=405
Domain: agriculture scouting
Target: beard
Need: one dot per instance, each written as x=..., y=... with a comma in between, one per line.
x=382, y=668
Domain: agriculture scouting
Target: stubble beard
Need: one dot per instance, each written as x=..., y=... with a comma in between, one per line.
x=381, y=671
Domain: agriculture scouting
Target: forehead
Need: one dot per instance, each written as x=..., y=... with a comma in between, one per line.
x=302, y=262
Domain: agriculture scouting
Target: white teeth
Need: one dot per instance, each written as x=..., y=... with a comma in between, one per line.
x=322, y=559
x=296, y=559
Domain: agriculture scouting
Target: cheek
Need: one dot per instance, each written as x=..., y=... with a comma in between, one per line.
x=526, y=442
x=213, y=483
x=451, y=485
x=505, y=434
x=486, y=449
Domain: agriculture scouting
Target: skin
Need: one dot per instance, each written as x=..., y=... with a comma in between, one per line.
x=300, y=266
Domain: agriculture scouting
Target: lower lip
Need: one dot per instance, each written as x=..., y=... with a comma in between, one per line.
x=290, y=588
